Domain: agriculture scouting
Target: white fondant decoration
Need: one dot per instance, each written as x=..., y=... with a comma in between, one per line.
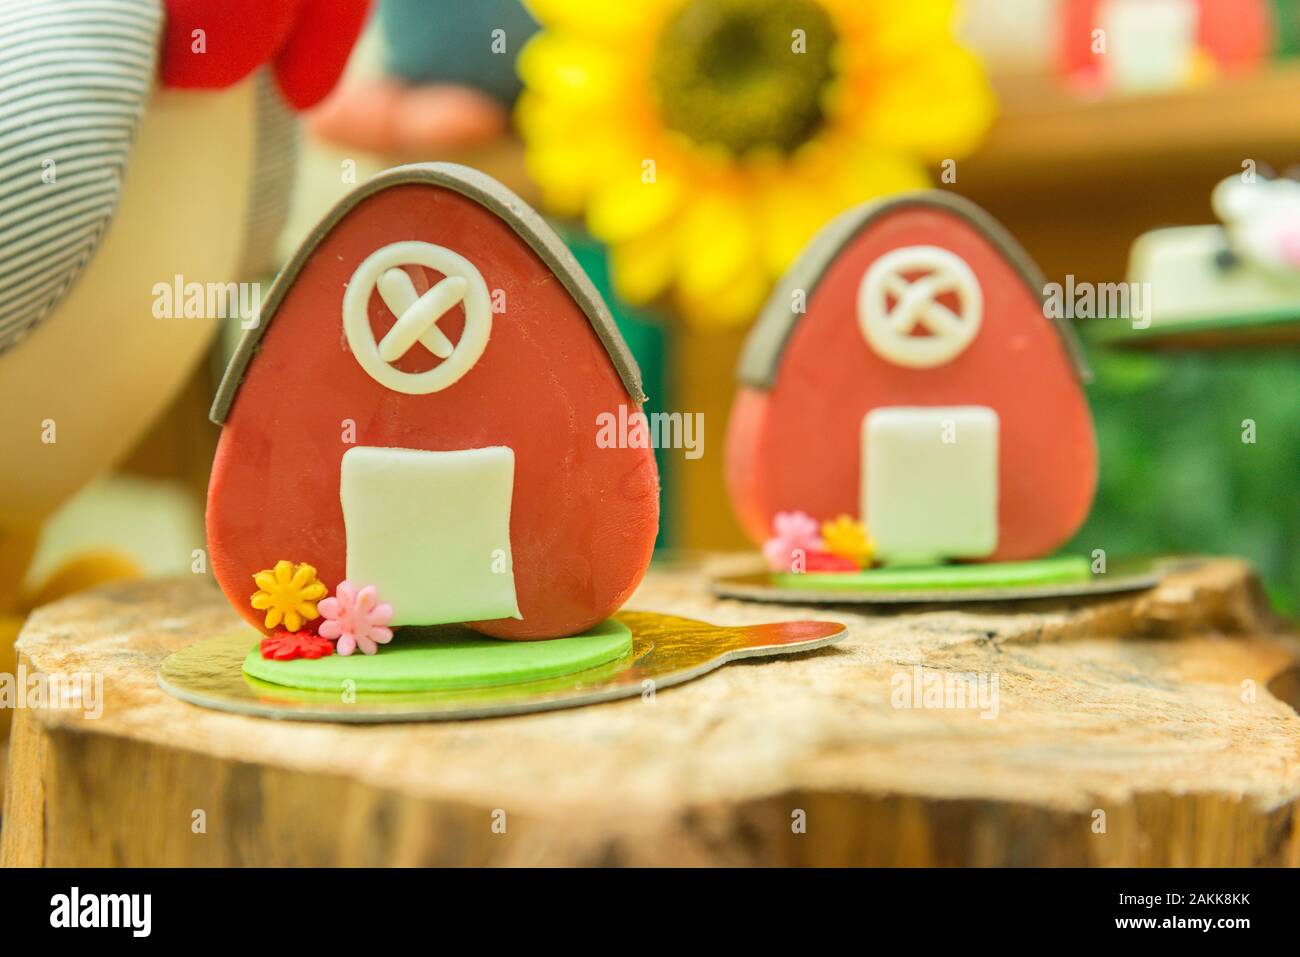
x=431, y=531
x=915, y=277
x=1177, y=265
x=930, y=482
x=1152, y=43
x=417, y=316
x=1262, y=225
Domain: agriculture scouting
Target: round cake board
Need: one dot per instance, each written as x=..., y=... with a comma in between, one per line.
x=664, y=650
x=1059, y=577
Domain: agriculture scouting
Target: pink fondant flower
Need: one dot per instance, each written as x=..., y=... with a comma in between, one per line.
x=356, y=618
x=794, y=536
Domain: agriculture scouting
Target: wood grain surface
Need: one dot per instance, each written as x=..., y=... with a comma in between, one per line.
x=1149, y=729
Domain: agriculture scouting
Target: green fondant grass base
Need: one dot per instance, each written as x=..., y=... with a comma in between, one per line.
x=433, y=660
x=1043, y=571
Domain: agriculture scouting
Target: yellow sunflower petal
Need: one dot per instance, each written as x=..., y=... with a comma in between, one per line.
x=273, y=617
x=284, y=571
x=575, y=72
x=629, y=207
x=313, y=591
x=734, y=304
x=307, y=609
x=878, y=173
x=564, y=186
x=880, y=31
x=597, y=17
x=568, y=162
x=292, y=620
x=265, y=580
x=715, y=244
x=938, y=105
x=643, y=268
x=261, y=601
x=725, y=226
x=793, y=210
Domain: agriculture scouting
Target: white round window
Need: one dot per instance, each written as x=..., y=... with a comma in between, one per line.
x=417, y=315
x=901, y=313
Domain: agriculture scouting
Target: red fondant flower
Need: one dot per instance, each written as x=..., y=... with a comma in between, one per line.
x=826, y=562
x=287, y=645
x=213, y=44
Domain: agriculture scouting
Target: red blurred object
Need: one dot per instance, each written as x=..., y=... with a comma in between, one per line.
x=213, y=44
x=384, y=116
x=1236, y=34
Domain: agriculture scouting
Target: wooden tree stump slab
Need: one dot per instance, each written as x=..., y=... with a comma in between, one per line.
x=1156, y=728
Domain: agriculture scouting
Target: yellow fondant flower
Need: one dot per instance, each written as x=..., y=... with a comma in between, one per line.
x=848, y=539
x=288, y=594
x=706, y=141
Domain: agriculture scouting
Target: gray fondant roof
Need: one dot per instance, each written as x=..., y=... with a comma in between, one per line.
x=761, y=356
x=487, y=192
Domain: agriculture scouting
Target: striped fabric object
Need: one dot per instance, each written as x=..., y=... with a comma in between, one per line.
x=275, y=164
x=74, y=79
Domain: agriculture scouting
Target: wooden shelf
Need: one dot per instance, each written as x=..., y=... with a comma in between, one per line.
x=1046, y=130
x=1077, y=180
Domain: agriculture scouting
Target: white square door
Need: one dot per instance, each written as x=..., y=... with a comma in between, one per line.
x=431, y=531
x=930, y=482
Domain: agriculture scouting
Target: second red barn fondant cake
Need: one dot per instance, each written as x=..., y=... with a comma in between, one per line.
x=408, y=436
x=904, y=397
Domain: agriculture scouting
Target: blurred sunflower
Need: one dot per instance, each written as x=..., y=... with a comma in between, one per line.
x=706, y=141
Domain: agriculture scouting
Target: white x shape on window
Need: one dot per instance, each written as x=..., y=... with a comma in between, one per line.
x=916, y=305
x=417, y=315
x=890, y=327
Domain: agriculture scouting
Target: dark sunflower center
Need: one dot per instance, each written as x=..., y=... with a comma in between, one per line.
x=744, y=73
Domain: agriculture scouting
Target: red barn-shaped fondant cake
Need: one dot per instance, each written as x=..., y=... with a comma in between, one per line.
x=906, y=374
x=417, y=412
